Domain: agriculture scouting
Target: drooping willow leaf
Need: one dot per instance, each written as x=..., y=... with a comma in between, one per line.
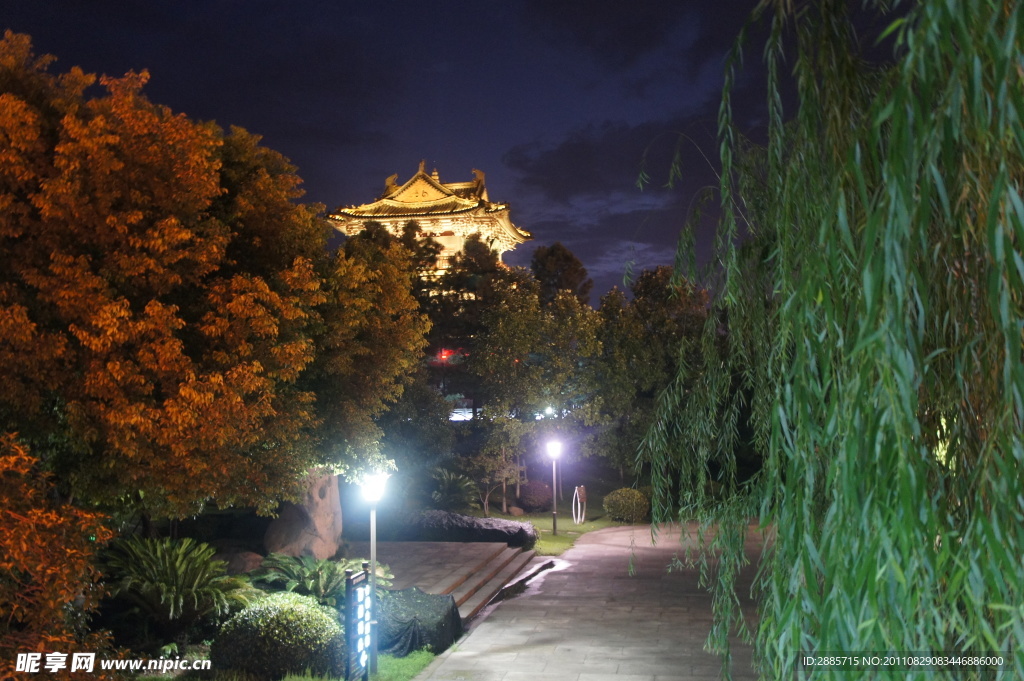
x=873, y=318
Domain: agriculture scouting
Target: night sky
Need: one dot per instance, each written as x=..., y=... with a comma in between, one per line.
x=558, y=102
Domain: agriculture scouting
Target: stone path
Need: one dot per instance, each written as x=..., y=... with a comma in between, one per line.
x=588, y=619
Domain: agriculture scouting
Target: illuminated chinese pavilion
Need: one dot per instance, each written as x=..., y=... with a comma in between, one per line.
x=449, y=212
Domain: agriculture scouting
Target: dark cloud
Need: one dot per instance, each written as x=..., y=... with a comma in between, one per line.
x=592, y=160
x=616, y=34
x=607, y=157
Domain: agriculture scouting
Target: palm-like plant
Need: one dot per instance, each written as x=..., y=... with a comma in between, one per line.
x=322, y=579
x=176, y=583
x=453, y=491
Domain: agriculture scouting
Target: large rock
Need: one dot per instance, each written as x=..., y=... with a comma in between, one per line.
x=312, y=528
x=446, y=526
x=239, y=562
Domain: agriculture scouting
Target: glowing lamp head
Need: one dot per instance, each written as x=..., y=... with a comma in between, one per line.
x=373, y=486
x=554, y=449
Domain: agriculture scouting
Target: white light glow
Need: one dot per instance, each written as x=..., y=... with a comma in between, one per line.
x=373, y=486
x=554, y=449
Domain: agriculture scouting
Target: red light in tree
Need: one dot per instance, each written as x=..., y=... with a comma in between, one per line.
x=443, y=354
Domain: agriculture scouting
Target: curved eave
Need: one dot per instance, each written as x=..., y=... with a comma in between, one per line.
x=369, y=215
x=389, y=208
x=518, y=235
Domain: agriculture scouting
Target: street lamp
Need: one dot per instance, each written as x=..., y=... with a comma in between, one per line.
x=554, y=451
x=373, y=491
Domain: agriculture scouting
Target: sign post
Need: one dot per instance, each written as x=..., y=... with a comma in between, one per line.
x=358, y=619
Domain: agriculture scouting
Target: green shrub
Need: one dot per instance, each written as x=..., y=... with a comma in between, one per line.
x=535, y=496
x=174, y=582
x=627, y=505
x=324, y=580
x=282, y=633
x=453, y=491
x=389, y=668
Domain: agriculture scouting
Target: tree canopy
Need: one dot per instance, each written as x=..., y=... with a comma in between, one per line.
x=558, y=269
x=642, y=344
x=164, y=300
x=874, y=319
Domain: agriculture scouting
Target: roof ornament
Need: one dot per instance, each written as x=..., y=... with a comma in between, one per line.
x=391, y=184
x=423, y=165
x=435, y=176
x=481, y=188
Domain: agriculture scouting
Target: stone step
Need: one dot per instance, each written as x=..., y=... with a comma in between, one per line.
x=485, y=574
x=470, y=567
x=475, y=599
x=472, y=572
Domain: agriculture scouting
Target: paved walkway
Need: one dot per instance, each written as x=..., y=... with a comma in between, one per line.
x=589, y=620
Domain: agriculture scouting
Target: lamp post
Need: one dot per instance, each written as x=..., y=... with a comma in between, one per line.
x=554, y=451
x=373, y=491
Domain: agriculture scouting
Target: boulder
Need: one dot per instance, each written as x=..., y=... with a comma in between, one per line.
x=312, y=527
x=447, y=526
x=239, y=561
x=515, y=511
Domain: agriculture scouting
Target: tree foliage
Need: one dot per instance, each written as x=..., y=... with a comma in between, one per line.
x=494, y=464
x=46, y=562
x=172, y=328
x=875, y=320
x=417, y=430
x=370, y=341
x=148, y=359
x=642, y=341
x=556, y=268
x=531, y=359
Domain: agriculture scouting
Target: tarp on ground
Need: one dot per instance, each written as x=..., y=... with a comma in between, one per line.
x=411, y=619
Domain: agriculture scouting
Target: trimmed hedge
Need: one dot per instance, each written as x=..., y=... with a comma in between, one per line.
x=627, y=505
x=282, y=633
x=446, y=526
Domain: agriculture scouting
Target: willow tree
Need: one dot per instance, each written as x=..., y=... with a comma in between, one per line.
x=875, y=315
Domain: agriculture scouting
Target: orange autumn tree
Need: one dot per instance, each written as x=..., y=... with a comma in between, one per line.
x=162, y=295
x=46, y=562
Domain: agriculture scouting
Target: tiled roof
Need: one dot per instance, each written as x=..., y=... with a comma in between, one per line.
x=446, y=206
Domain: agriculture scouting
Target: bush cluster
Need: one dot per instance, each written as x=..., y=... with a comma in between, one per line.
x=175, y=583
x=453, y=491
x=535, y=496
x=282, y=633
x=324, y=580
x=627, y=505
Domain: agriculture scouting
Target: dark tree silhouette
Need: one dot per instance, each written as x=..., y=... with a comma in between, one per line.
x=557, y=269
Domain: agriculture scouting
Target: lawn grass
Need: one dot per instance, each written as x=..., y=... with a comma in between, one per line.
x=389, y=668
x=568, y=531
x=402, y=668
